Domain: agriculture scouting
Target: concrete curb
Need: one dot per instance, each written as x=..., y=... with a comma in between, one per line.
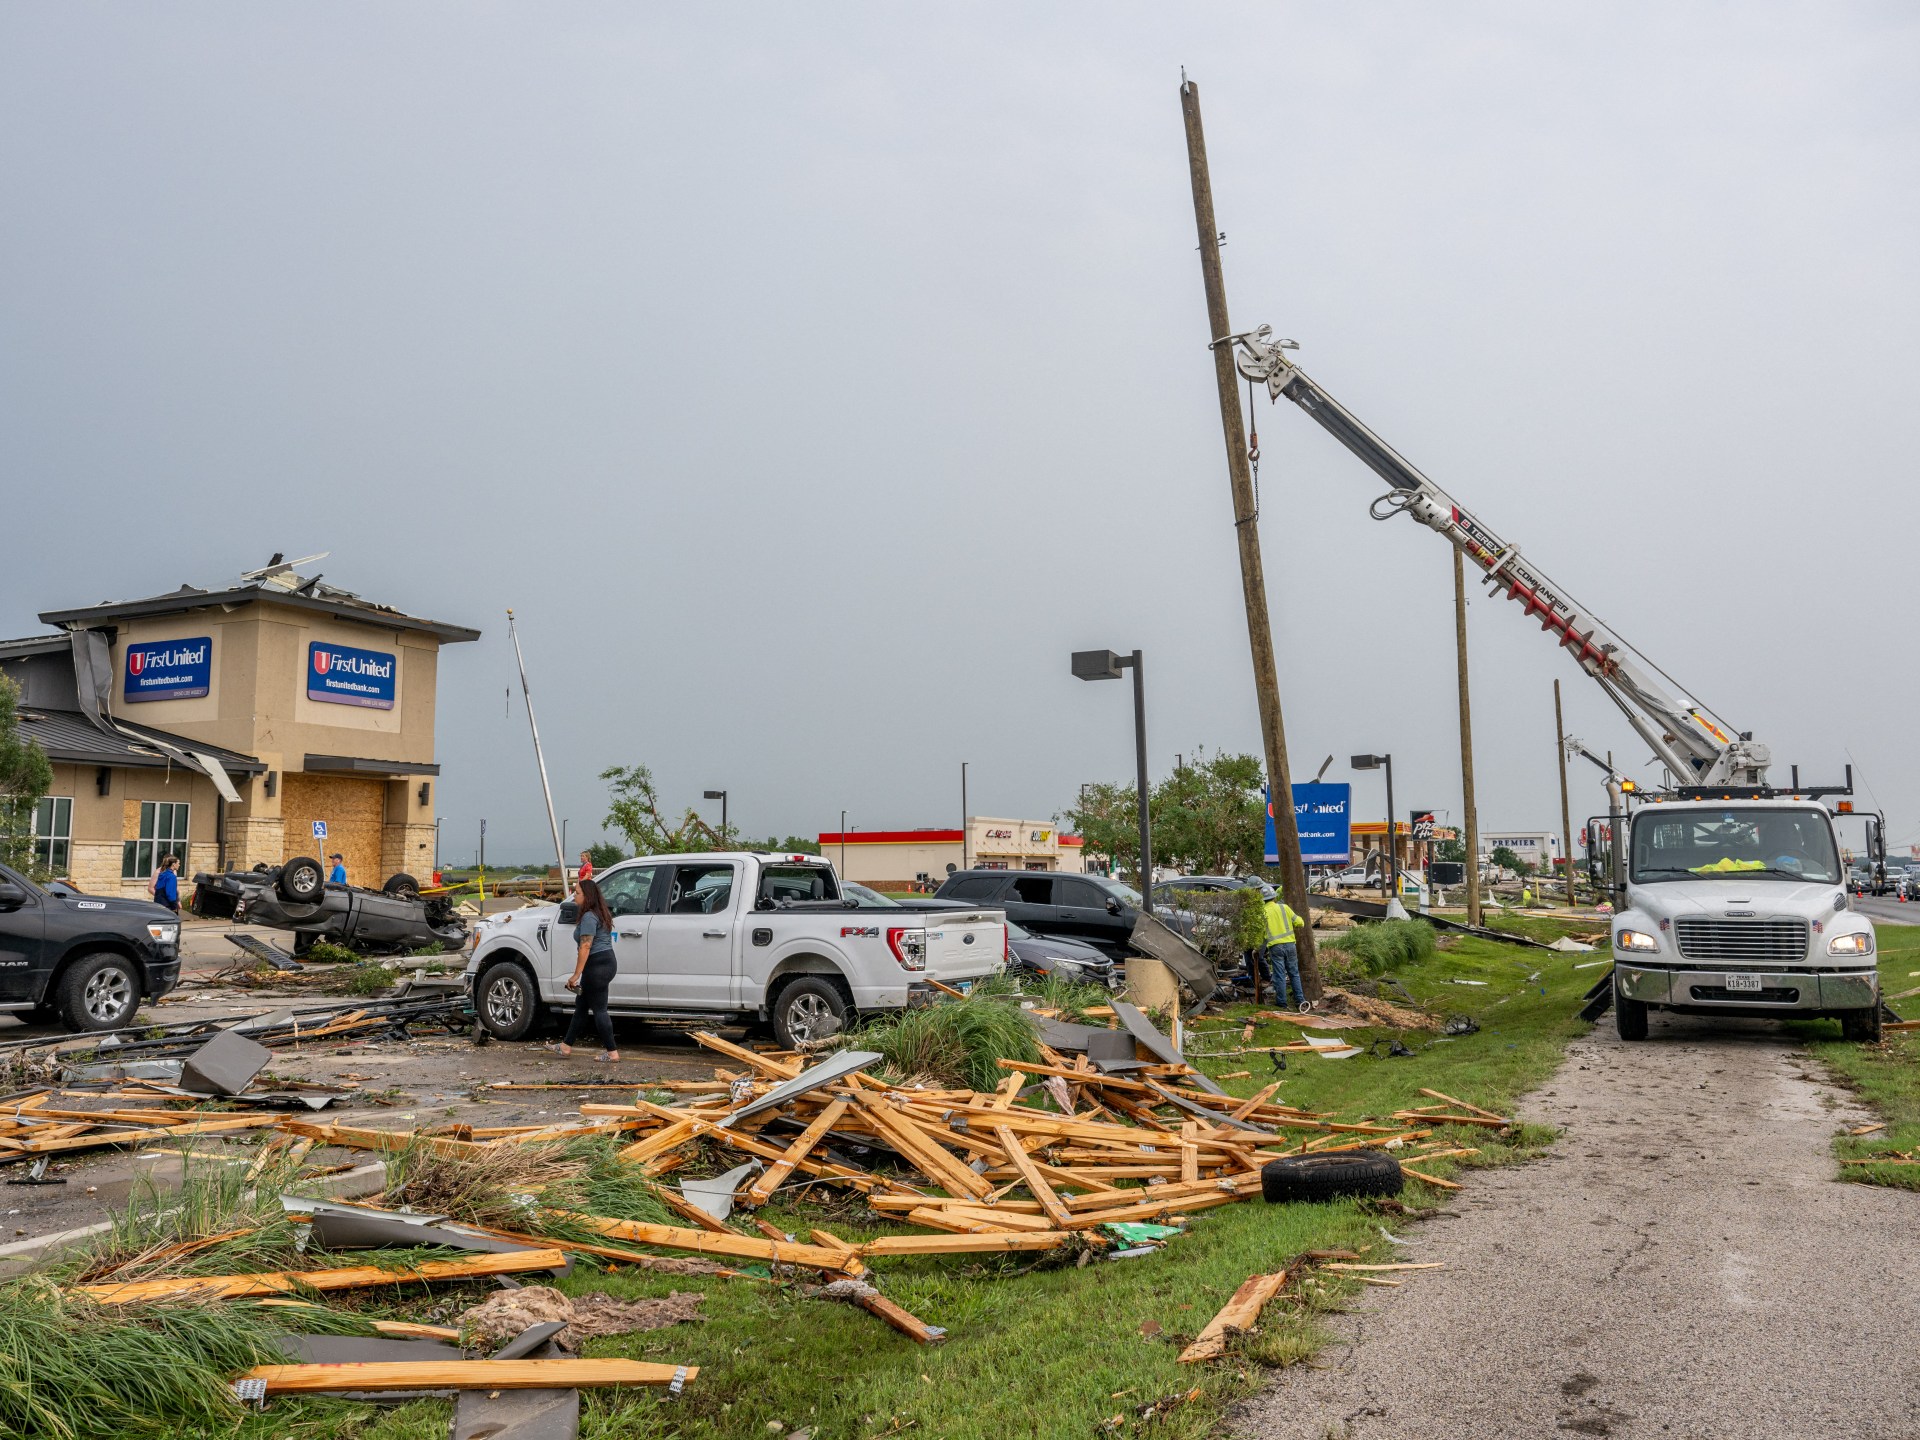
x=362, y=1180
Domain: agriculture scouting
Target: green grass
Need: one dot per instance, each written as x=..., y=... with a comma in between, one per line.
x=1886, y=1077
x=954, y=1044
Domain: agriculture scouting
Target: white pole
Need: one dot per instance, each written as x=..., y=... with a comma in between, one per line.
x=541, y=760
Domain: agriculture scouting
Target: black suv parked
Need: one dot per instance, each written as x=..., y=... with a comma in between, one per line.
x=85, y=960
x=1090, y=908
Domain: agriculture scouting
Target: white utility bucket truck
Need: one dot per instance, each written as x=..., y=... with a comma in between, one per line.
x=1729, y=895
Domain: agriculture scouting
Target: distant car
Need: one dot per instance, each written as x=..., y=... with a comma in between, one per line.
x=1051, y=955
x=1357, y=877
x=297, y=897
x=1168, y=892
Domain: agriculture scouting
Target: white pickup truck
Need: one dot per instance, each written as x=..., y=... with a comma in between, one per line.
x=1740, y=907
x=732, y=937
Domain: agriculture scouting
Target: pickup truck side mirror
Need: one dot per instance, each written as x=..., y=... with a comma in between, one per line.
x=12, y=897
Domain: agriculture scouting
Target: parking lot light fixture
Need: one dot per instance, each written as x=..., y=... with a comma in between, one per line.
x=721, y=796
x=1106, y=665
x=1395, y=910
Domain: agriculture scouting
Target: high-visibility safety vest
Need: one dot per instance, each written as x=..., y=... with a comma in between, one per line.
x=1282, y=922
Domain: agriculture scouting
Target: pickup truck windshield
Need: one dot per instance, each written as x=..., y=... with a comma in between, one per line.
x=1745, y=844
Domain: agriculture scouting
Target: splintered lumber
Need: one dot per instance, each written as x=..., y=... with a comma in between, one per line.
x=466, y=1375
x=1491, y=1122
x=1433, y=1180
x=403, y=1329
x=963, y=1244
x=63, y=1137
x=936, y=1163
x=762, y=1189
x=1036, y=1182
x=874, y=1303
x=700, y=1242
x=1463, y=1105
x=235, y=1287
x=354, y=1138
x=766, y=1064
x=1237, y=1315
x=1399, y=1265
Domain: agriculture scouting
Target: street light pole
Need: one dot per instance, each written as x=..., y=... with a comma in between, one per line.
x=966, y=825
x=1395, y=910
x=843, y=844
x=1106, y=665
x=721, y=796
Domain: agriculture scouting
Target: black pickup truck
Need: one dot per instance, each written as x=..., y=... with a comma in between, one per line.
x=84, y=960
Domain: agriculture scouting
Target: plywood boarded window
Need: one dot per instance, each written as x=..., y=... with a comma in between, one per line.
x=354, y=809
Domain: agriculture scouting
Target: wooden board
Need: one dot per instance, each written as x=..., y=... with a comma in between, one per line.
x=234, y=1287
x=466, y=1375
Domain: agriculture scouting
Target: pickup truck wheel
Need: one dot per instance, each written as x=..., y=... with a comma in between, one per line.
x=99, y=992
x=1861, y=1026
x=301, y=880
x=810, y=1009
x=1629, y=1016
x=507, y=1001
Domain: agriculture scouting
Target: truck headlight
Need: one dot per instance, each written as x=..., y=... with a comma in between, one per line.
x=1858, y=943
x=165, y=934
x=1635, y=940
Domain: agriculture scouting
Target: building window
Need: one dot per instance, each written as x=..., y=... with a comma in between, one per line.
x=53, y=834
x=163, y=831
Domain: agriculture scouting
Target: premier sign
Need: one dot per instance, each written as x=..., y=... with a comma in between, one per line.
x=342, y=675
x=169, y=669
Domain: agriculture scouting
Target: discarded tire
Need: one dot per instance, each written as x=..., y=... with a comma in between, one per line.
x=1329, y=1177
x=301, y=880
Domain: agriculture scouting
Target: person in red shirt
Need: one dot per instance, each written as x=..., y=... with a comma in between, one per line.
x=586, y=865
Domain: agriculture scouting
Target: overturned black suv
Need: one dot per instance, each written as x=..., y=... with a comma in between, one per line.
x=296, y=896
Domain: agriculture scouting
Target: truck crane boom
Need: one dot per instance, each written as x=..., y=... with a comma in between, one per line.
x=1696, y=746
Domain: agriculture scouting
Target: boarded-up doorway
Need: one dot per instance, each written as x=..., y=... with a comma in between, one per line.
x=354, y=809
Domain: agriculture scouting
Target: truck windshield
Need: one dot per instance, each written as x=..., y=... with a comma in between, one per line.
x=1746, y=844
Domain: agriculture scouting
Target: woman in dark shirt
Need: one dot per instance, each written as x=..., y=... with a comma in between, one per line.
x=594, y=967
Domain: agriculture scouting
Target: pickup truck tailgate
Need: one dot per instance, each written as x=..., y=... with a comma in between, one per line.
x=965, y=944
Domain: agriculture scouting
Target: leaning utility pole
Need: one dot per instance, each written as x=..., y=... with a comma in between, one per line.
x=1466, y=741
x=1566, y=816
x=1253, y=583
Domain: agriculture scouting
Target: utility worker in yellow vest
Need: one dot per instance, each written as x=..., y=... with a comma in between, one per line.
x=1283, y=953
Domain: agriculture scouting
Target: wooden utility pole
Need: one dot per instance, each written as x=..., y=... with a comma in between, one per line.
x=1474, y=914
x=1253, y=583
x=1566, y=815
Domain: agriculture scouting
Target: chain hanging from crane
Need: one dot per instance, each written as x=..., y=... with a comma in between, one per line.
x=1253, y=453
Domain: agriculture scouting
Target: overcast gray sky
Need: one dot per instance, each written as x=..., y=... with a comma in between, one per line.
x=812, y=379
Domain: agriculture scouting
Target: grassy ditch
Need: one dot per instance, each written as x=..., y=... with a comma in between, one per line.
x=1886, y=1077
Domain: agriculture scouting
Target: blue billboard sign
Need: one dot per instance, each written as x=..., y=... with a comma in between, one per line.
x=169, y=669
x=1323, y=814
x=342, y=675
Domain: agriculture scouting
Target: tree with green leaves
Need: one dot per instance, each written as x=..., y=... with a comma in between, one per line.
x=25, y=777
x=1107, y=817
x=633, y=808
x=604, y=854
x=1209, y=816
x=1506, y=859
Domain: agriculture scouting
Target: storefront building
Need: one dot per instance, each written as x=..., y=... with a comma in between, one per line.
x=233, y=727
x=902, y=859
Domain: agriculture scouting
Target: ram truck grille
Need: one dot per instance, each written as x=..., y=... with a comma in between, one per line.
x=1746, y=941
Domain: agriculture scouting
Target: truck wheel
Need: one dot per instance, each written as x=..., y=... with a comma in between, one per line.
x=301, y=880
x=1328, y=1177
x=507, y=1000
x=99, y=992
x=1861, y=1026
x=810, y=1009
x=1629, y=1016
x=401, y=887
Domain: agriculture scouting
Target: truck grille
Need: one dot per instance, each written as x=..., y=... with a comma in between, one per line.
x=1780, y=941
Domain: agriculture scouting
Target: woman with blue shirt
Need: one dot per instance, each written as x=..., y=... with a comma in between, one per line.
x=594, y=967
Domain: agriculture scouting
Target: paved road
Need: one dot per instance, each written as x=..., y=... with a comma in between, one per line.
x=1681, y=1265
x=1886, y=910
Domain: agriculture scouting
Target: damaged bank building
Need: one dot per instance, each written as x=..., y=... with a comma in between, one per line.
x=232, y=727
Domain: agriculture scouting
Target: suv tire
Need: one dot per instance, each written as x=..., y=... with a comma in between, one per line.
x=810, y=1008
x=506, y=1000
x=1329, y=1177
x=301, y=881
x=99, y=992
x=1629, y=1016
x=401, y=887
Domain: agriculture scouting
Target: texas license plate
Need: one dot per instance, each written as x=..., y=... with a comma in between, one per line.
x=965, y=987
x=1754, y=983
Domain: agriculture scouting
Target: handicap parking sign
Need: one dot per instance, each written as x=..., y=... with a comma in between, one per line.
x=319, y=829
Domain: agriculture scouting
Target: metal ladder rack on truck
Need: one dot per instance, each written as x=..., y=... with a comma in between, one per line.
x=1729, y=894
